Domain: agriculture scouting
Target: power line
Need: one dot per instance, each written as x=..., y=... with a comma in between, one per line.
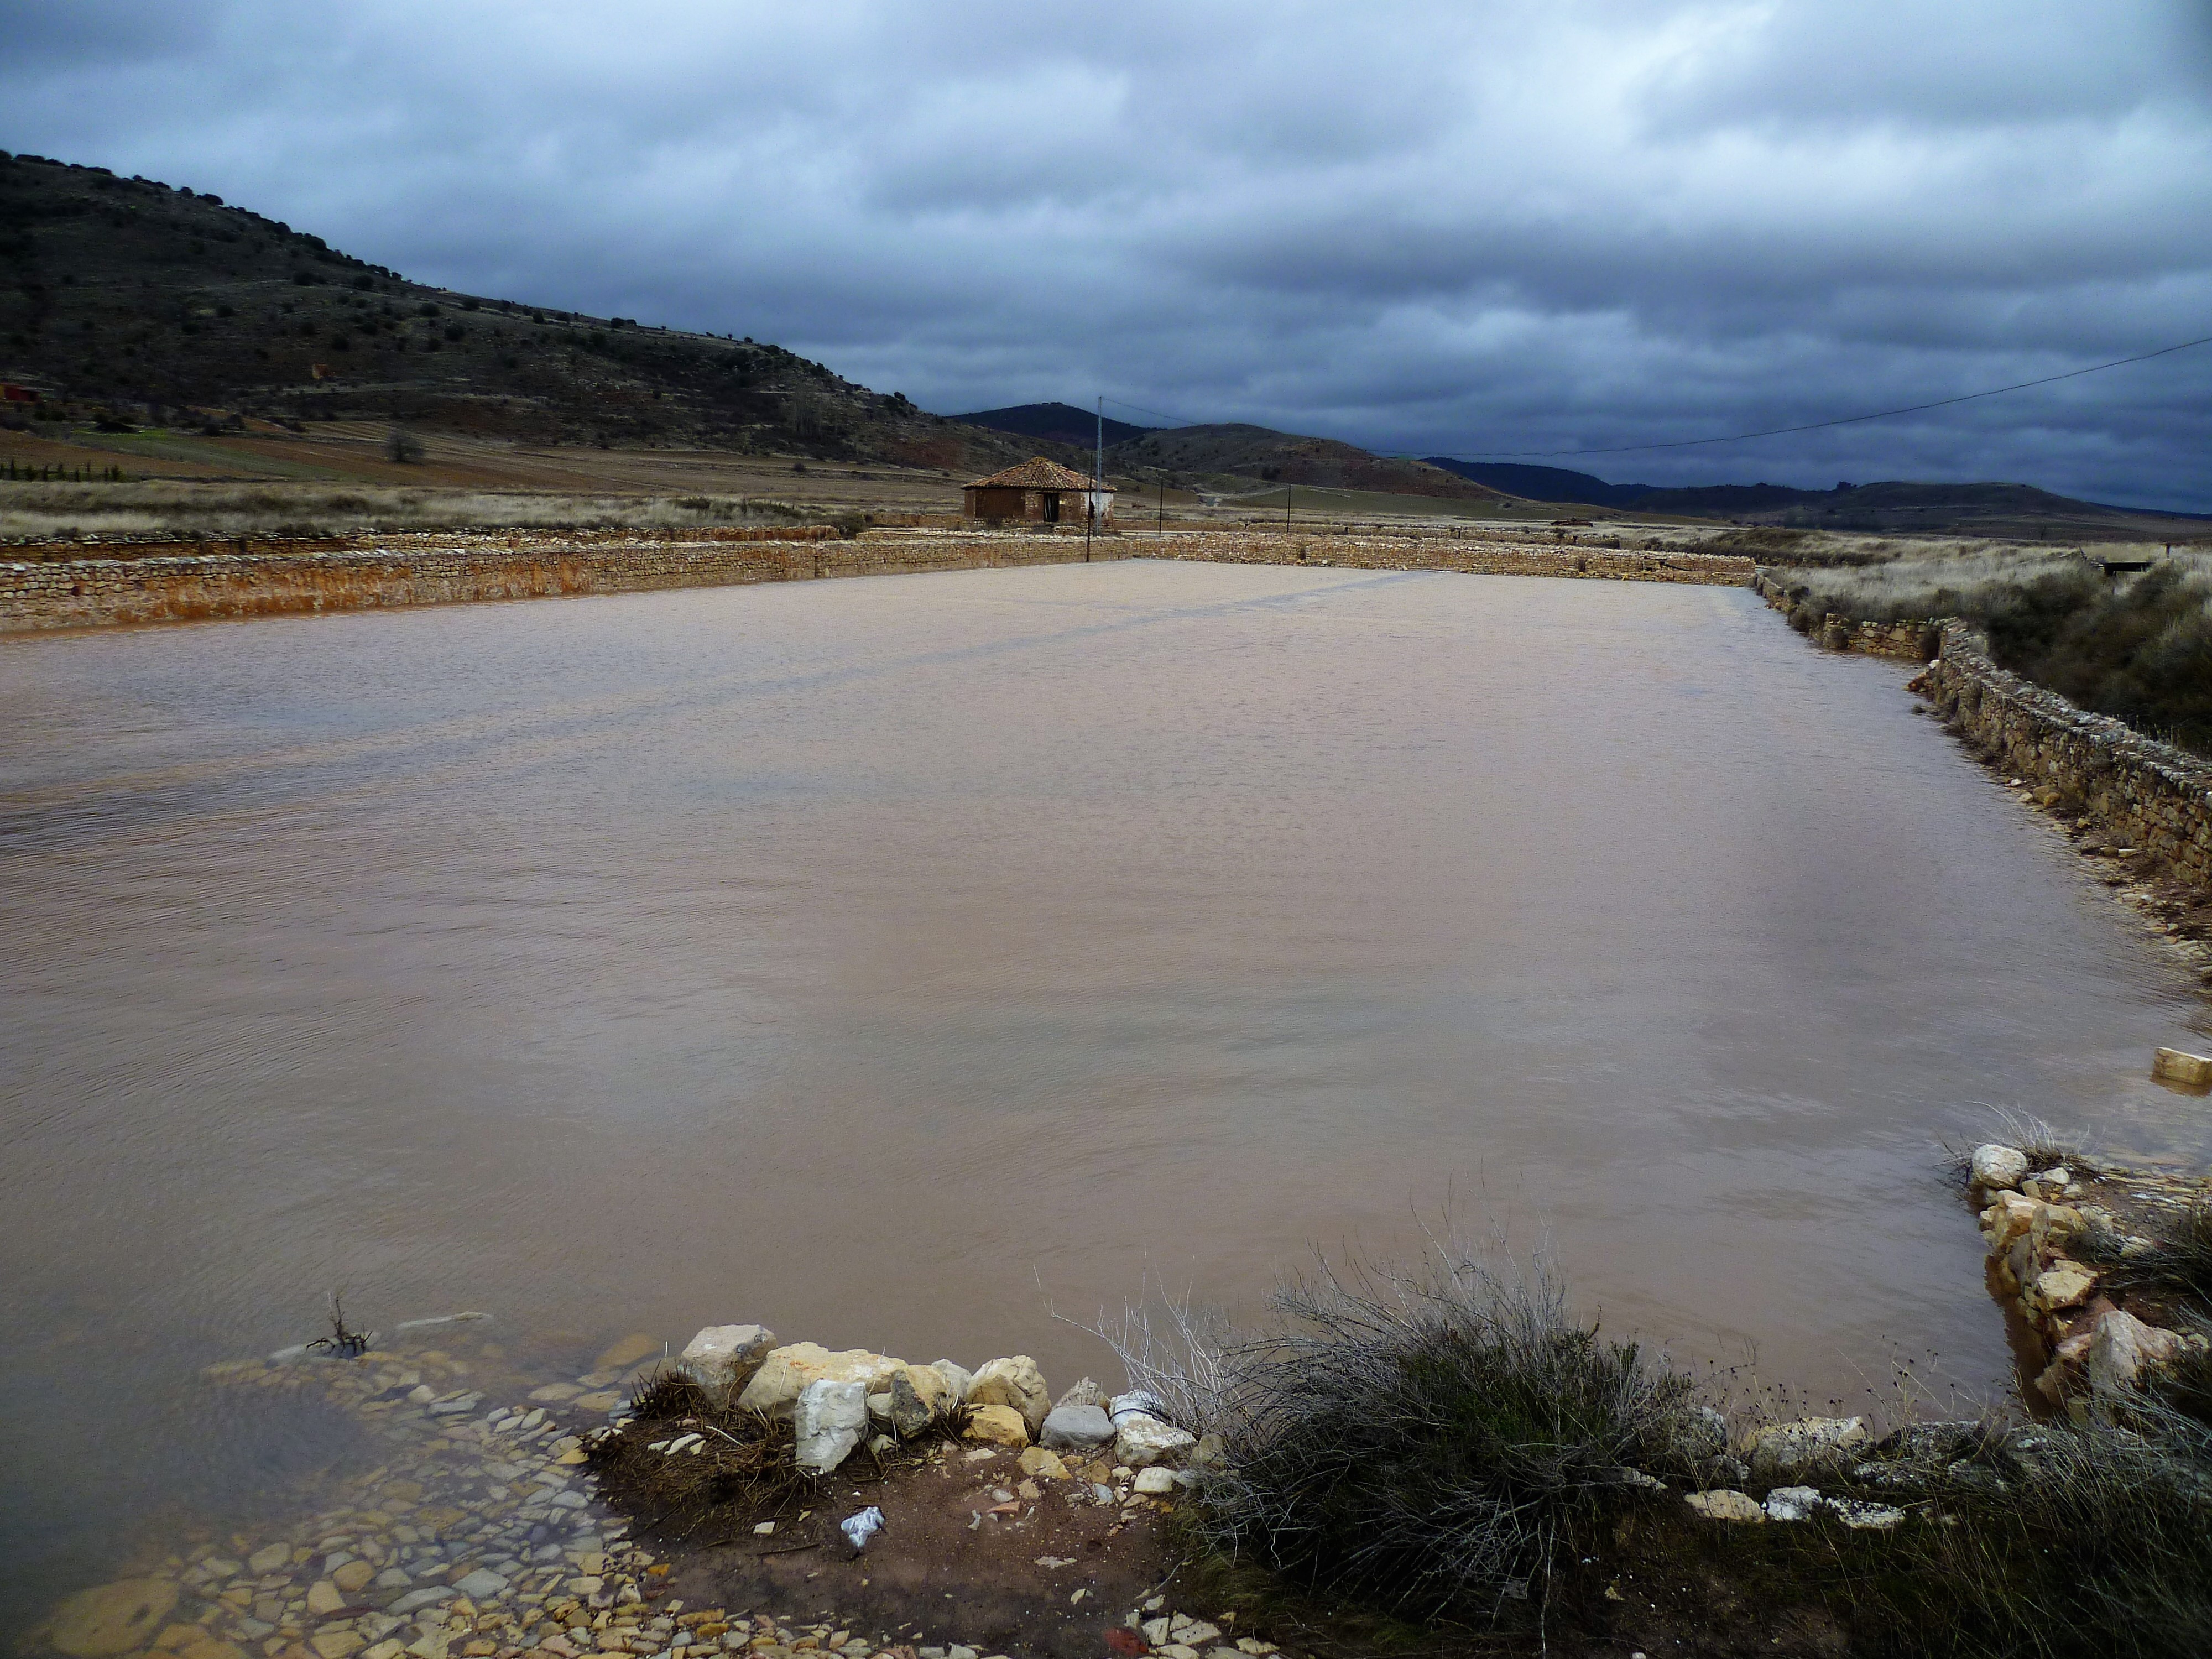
x=1844, y=420
x=1770, y=432
x=1180, y=420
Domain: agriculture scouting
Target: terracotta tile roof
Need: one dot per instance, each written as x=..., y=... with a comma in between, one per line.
x=1036, y=474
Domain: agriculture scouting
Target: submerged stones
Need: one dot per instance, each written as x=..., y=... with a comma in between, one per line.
x=113, y=1619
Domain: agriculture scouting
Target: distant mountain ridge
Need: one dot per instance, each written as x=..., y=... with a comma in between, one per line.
x=1990, y=509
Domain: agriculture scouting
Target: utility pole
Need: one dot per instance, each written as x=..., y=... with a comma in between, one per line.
x=1097, y=481
x=1286, y=507
x=1160, y=529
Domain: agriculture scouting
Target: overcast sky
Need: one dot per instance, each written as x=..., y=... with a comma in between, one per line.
x=1471, y=228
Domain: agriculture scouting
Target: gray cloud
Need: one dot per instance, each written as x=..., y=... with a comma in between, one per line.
x=1528, y=225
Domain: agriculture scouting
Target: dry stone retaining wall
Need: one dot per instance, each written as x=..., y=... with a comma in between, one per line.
x=445, y=568
x=2149, y=795
x=1914, y=641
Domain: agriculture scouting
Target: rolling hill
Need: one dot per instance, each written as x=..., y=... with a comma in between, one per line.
x=1259, y=456
x=1055, y=423
x=127, y=300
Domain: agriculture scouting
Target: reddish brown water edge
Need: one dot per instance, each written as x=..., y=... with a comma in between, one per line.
x=887, y=960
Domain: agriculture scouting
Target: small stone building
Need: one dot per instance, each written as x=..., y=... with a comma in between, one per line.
x=1037, y=491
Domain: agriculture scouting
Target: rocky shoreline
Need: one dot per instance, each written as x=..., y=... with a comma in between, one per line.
x=485, y=1535
x=2074, y=1251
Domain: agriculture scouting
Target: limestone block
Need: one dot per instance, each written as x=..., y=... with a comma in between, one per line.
x=774, y=1387
x=1996, y=1167
x=1141, y=1440
x=2007, y=1218
x=997, y=1425
x=2065, y=1284
x=1793, y=1504
x=1017, y=1383
x=1043, y=1464
x=722, y=1359
x=2178, y=1065
x=2122, y=1348
x=828, y=1419
x=1723, y=1504
x=1784, y=1450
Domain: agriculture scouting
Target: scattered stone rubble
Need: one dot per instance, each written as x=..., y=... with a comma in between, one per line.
x=2053, y=1235
x=481, y=1536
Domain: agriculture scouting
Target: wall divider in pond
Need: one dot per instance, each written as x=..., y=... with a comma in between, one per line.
x=40, y=594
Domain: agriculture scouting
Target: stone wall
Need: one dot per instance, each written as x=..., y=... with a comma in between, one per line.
x=435, y=568
x=1914, y=641
x=1469, y=554
x=2147, y=795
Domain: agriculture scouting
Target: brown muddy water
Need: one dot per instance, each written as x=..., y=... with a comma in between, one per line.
x=897, y=961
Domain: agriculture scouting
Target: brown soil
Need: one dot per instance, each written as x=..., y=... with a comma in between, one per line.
x=953, y=1563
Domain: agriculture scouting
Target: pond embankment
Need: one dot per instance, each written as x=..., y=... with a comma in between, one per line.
x=2142, y=802
x=273, y=578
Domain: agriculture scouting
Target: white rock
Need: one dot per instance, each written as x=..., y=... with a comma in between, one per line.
x=1784, y=1449
x=1792, y=1504
x=1141, y=1441
x=775, y=1386
x=830, y=1418
x=722, y=1359
x=1723, y=1504
x=956, y=1377
x=2121, y=1350
x=1155, y=1482
x=1859, y=1514
x=1137, y=1402
x=1996, y=1167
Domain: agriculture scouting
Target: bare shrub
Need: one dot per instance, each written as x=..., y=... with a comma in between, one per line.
x=1436, y=1442
x=403, y=446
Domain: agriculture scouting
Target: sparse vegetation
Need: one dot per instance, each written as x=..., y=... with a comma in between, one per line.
x=30, y=511
x=1449, y=1456
x=2136, y=646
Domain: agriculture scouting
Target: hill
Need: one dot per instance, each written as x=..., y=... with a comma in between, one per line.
x=1057, y=423
x=1545, y=483
x=126, y=299
x=1259, y=454
x=2012, y=510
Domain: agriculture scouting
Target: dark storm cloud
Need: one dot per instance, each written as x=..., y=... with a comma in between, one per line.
x=1533, y=225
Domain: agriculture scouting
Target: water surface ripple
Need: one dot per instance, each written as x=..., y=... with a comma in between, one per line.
x=887, y=959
